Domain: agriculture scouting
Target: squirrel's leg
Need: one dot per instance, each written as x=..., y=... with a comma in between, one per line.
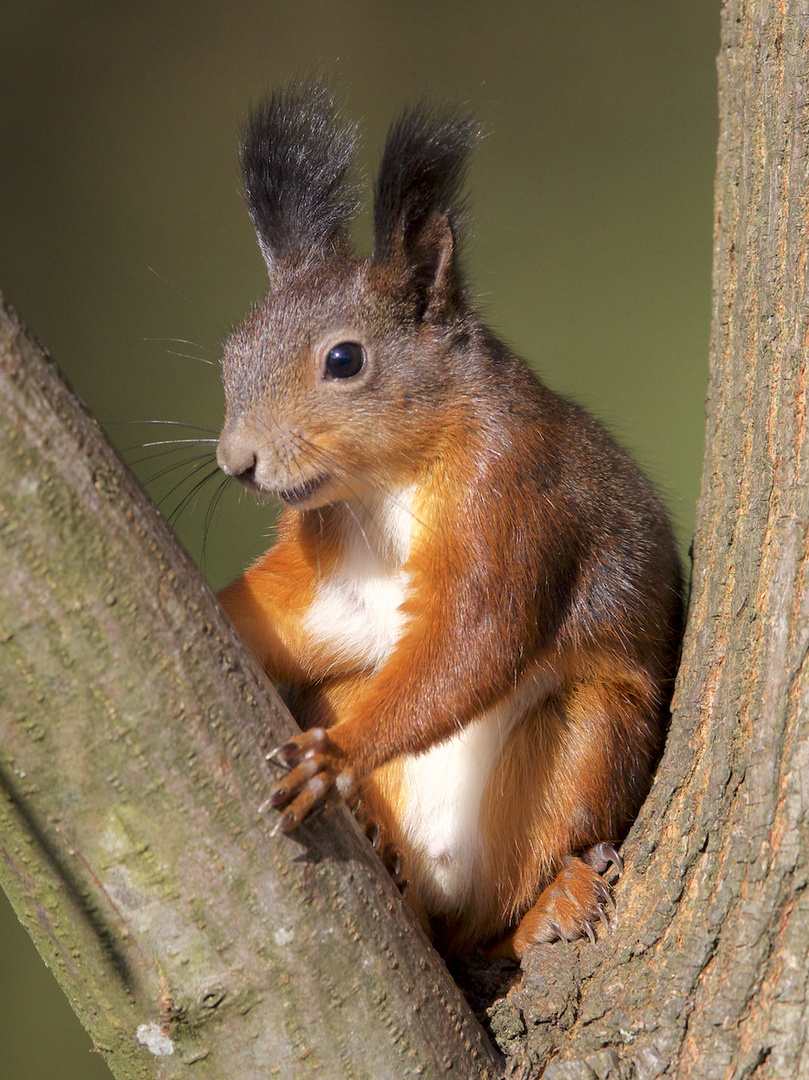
x=569, y=907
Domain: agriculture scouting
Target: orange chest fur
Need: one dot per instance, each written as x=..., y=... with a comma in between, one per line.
x=336, y=590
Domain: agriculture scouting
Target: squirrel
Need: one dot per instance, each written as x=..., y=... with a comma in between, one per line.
x=474, y=599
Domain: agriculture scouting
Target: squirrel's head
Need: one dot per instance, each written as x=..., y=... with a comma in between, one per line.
x=337, y=378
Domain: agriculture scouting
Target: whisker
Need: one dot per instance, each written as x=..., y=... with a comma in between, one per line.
x=133, y=462
x=314, y=454
x=320, y=453
x=347, y=505
x=179, y=341
x=317, y=548
x=210, y=513
x=175, y=423
x=179, y=442
x=183, y=504
x=203, y=318
x=356, y=505
x=203, y=460
x=184, y=355
x=191, y=356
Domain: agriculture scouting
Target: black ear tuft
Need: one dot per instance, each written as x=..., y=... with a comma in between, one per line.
x=418, y=190
x=295, y=156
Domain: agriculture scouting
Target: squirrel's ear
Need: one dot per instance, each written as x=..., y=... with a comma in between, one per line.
x=295, y=156
x=430, y=267
x=418, y=208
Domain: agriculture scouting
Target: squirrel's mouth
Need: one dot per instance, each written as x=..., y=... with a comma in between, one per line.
x=295, y=496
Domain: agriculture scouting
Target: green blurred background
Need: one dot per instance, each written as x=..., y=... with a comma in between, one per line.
x=121, y=227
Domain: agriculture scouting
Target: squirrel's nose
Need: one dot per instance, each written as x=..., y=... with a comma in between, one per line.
x=236, y=456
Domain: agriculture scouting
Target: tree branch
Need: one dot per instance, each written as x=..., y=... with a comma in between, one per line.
x=134, y=727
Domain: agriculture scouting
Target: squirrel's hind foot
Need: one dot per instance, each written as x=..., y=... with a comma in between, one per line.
x=576, y=901
x=387, y=850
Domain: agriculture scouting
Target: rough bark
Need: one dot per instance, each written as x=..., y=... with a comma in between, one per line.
x=705, y=973
x=133, y=729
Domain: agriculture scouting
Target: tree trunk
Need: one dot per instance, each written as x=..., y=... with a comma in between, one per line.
x=133, y=730
x=705, y=973
x=116, y=816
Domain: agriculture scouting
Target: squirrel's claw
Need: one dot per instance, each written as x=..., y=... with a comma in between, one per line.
x=601, y=856
x=316, y=774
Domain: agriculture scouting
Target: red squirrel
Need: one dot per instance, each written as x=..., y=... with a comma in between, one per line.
x=474, y=599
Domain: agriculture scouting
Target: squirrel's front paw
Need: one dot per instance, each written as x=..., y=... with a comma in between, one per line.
x=318, y=772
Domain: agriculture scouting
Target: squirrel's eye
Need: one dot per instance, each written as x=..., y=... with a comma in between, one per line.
x=345, y=360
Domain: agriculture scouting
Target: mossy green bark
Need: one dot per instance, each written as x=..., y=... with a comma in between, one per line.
x=133, y=734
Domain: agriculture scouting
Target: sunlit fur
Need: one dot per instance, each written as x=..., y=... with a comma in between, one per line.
x=474, y=598
x=356, y=611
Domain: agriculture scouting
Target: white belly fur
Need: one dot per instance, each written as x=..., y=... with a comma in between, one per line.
x=357, y=608
x=445, y=787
